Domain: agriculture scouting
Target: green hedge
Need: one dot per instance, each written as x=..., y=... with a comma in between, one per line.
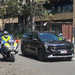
x=17, y=35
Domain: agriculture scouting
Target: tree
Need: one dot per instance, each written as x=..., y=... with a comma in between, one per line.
x=2, y=12
x=10, y=10
x=28, y=10
x=38, y=10
x=25, y=12
x=31, y=8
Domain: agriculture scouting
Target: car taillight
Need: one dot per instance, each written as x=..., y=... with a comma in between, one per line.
x=16, y=41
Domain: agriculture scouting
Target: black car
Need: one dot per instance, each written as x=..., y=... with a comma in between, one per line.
x=46, y=45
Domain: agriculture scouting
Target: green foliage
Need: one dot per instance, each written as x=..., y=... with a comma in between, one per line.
x=9, y=9
x=31, y=8
x=42, y=12
x=12, y=8
x=3, y=12
x=18, y=35
x=25, y=10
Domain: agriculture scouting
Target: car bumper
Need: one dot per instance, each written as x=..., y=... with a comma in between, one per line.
x=51, y=56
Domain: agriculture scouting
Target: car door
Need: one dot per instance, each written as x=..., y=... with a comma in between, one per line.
x=24, y=41
x=35, y=43
x=29, y=42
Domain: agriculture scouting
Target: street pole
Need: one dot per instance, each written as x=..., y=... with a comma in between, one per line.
x=73, y=29
x=73, y=35
x=32, y=16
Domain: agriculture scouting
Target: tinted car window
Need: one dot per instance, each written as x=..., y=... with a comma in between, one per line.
x=30, y=36
x=24, y=35
x=48, y=37
x=35, y=35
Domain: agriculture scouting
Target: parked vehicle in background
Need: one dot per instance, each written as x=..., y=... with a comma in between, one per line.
x=46, y=45
x=1, y=34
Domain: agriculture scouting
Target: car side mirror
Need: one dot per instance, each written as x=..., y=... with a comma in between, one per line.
x=34, y=39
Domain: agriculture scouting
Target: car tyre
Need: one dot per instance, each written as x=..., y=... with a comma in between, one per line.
x=69, y=58
x=40, y=55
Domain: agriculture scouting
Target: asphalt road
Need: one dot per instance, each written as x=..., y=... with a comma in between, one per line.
x=31, y=66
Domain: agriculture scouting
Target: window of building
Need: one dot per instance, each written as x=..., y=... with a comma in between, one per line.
x=70, y=8
x=59, y=9
x=65, y=9
x=36, y=36
x=30, y=36
x=57, y=28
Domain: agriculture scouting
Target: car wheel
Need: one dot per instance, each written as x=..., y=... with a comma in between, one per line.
x=40, y=55
x=69, y=58
x=23, y=50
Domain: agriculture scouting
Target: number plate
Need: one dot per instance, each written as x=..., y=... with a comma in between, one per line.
x=63, y=52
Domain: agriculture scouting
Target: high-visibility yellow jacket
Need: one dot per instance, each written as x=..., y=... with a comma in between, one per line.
x=60, y=38
x=6, y=39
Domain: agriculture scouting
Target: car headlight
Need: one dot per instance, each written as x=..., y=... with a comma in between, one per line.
x=46, y=46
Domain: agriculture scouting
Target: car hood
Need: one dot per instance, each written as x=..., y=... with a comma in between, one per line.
x=58, y=43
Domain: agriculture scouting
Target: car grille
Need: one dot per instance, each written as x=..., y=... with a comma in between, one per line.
x=59, y=47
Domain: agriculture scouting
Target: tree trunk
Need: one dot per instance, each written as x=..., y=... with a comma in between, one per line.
x=33, y=22
x=33, y=16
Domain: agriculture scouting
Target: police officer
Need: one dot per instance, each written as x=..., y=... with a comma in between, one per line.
x=60, y=36
x=5, y=37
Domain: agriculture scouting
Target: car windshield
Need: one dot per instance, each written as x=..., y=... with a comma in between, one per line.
x=48, y=37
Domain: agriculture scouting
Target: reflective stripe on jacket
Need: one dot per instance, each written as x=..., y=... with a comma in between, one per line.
x=6, y=39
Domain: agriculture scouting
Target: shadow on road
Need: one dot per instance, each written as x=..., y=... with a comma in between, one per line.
x=4, y=60
x=30, y=56
x=46, y=60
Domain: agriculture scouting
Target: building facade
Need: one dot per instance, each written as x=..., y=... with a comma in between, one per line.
x=63, y=20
